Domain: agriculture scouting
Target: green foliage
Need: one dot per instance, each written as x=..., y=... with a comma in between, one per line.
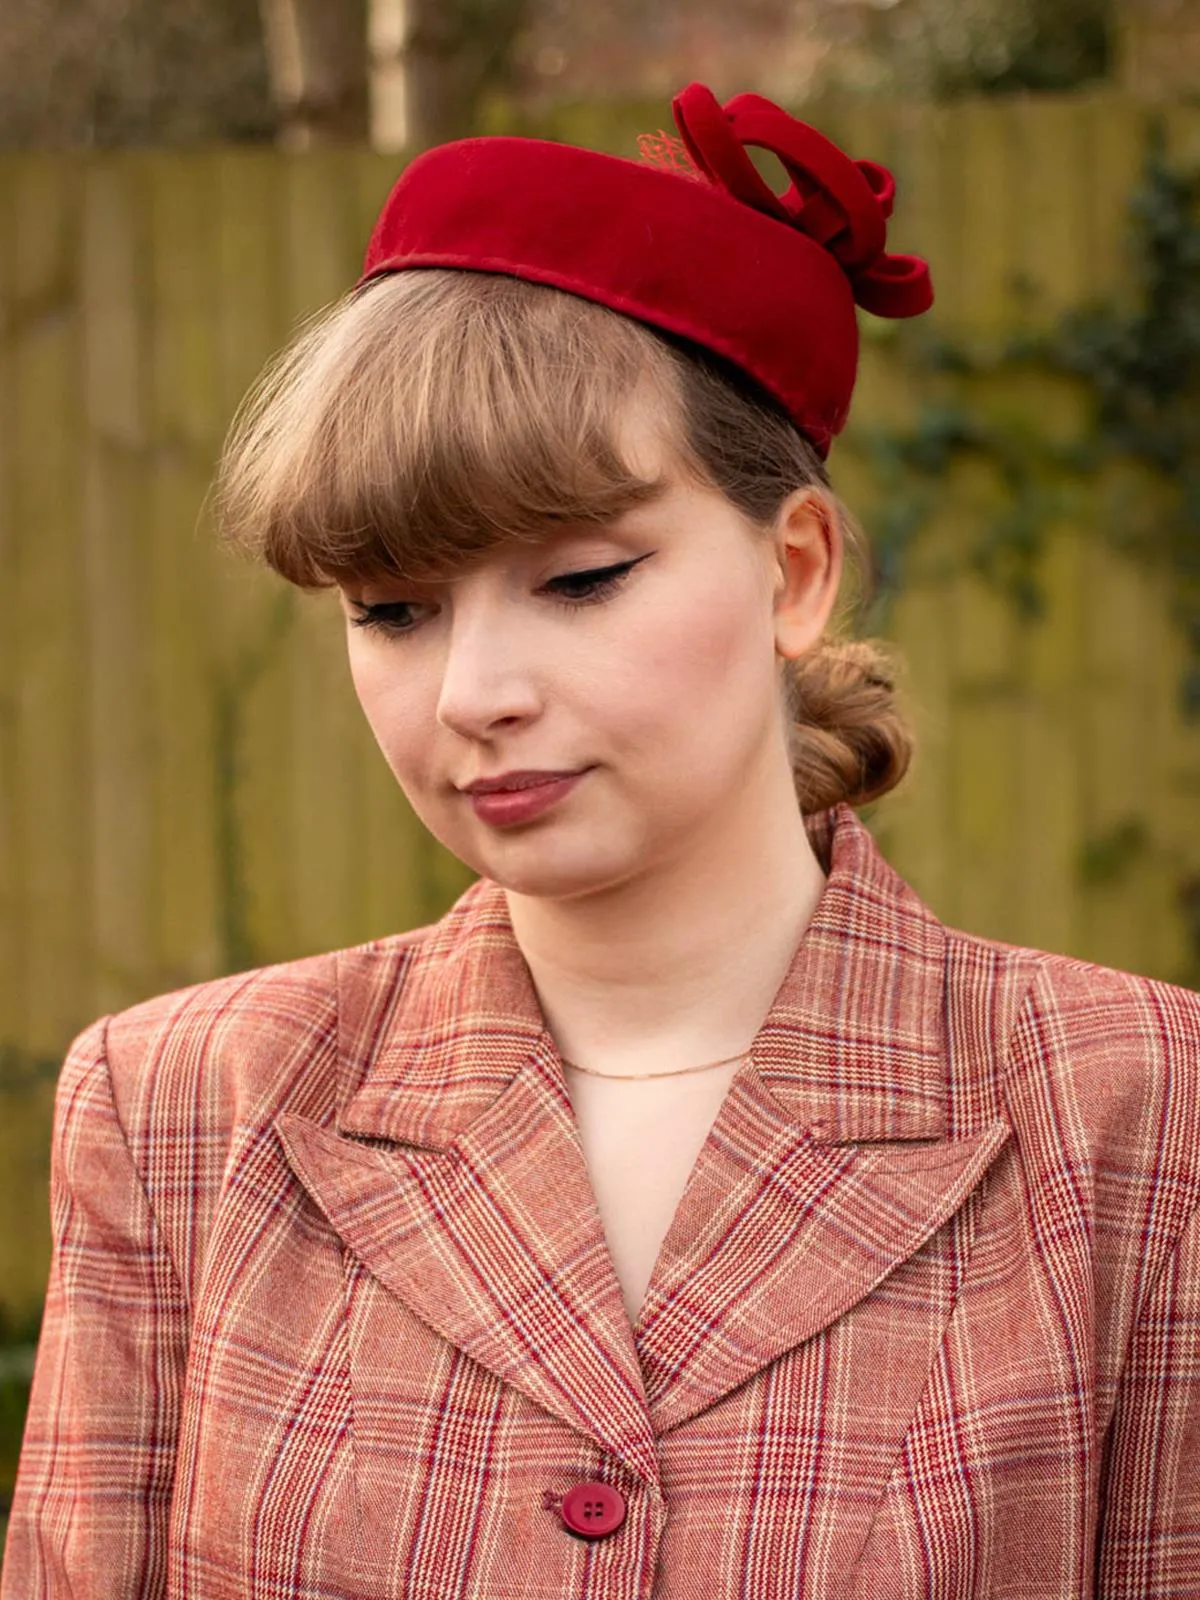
x=486, y=33
x=86, y=73
x=20, y=1071
x=1143, y=370
x=970, y=47
x=16, y=1369
x=1108, y=857
x=18, y=1344
x=910, y=468
x=18, y=1331
x=1138, y=458
x=1130, y=474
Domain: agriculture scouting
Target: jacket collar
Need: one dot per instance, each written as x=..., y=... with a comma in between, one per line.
x=852, y=1045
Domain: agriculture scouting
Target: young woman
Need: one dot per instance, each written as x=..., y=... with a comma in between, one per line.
x=688, y=1213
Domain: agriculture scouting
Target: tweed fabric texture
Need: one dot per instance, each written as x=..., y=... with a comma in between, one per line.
x=331, y=1314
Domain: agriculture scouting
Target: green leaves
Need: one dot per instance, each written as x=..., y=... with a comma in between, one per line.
x=1137, y=368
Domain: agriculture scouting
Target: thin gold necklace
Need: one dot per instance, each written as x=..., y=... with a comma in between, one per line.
x=674, y=1072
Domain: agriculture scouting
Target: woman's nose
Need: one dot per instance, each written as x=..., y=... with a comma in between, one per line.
x=486, y=673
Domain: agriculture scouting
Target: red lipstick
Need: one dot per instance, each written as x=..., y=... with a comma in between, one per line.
x=536, y=793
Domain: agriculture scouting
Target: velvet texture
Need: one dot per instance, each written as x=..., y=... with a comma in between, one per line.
x=693, y=242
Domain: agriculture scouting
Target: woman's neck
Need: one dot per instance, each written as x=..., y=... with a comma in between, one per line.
x=680, y=966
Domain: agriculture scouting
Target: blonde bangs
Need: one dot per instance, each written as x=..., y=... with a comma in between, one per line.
x=430, y=416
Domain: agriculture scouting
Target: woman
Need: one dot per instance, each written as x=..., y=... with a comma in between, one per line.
x=386, y=1272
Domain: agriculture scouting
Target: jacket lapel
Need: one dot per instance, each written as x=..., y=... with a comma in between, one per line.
x=838, y=1152
x=495, y=1242
x=777, y=1237
x=455, y=1173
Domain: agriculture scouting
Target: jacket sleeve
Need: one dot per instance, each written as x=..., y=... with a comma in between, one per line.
x=92, y=1498
x=1149, y=1534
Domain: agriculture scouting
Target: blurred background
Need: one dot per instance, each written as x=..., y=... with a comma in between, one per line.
x=187, y=786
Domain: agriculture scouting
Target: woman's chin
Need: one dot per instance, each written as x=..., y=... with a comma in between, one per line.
x=542, y=870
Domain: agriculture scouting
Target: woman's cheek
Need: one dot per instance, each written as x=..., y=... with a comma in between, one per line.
x=392, y=712
x=695, y=657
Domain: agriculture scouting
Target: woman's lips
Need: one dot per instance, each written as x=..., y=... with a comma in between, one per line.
x=505, y=806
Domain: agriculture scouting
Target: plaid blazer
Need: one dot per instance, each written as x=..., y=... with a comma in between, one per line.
x=331, y=1315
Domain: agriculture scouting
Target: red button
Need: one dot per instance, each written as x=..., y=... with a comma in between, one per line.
x=593, y=1509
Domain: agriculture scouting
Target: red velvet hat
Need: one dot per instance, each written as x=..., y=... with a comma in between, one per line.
x=690, y=239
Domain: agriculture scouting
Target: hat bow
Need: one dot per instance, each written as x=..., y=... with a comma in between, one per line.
x=843, y=205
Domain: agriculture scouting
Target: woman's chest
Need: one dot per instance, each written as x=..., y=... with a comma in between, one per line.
x=641, y=1139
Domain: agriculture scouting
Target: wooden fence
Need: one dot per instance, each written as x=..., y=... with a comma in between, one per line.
x=187, y=785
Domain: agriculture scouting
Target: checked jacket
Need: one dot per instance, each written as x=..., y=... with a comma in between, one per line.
x=331, y=1314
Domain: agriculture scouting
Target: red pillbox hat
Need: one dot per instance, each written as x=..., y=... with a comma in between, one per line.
x=700, y=246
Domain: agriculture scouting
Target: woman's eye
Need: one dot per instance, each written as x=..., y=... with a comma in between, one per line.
x=385, y=616
x=571, y=589
x=581, y=588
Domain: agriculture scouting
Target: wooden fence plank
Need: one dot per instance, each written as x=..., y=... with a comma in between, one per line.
x=185, y=416
x=1049, y=800
x=1046, y=271
x=46, y=605
x=118, y=539
x=983, y=733
x=13, y=947
x=1054, y=216
x=1120, y=757
x=1181, y=121
x=1122, y=617
x=1117, y=133
x=50, y=606
x=984, y=709
x=1176, y=917
x=1172, y=939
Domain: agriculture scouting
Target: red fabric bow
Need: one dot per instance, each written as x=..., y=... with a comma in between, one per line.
x=843, y=205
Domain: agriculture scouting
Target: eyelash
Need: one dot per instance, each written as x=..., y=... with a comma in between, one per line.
x=601, y=582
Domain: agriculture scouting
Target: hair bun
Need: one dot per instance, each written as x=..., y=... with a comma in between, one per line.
x=850, y=740
x=843, y=205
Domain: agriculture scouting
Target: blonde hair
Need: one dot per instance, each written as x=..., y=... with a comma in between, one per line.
x=427, y=417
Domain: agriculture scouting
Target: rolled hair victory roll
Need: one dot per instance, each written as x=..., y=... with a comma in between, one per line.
x=698, y=246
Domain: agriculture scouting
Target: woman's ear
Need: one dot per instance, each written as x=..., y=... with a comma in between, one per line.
x=808, y=552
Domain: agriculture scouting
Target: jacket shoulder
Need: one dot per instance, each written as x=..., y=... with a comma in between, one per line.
x=1099, y=1068
x=1074, y=1015
x=1117, y=1037
x=197, y=1076
x=200, y=1059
